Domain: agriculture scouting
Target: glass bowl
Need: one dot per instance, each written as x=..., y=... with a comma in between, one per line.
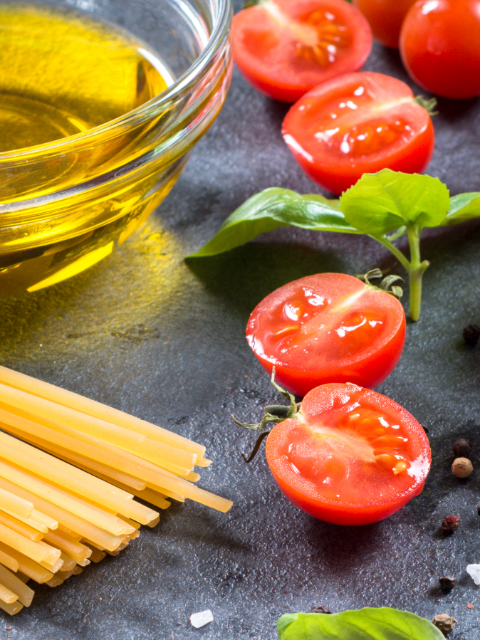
x=65, y=205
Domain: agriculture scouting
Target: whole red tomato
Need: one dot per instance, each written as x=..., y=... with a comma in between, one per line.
x=349, y=456
x=440, y=46
x=286, y=47
x=358, y=123
x=385, y=18
x=329, y=327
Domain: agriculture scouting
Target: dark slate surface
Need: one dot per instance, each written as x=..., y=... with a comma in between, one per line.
x=146, y=333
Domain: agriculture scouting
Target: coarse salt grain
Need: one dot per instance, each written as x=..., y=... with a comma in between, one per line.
x=202, y=618
x=474, y=571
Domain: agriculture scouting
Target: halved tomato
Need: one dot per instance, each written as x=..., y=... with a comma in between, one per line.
x=329, y=327
x=349, y=456
x=358, y=123
x=287, y=47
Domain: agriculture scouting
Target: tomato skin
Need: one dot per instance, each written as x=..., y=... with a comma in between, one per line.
x=385, y=18
x=385, y=102
x=266, y=49
x=367, y=365
x=439, y=45
x=365, y=510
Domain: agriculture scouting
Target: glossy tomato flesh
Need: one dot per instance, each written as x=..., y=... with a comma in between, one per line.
x=284, y=48
x=358, y=123
x=385, y=17
x=440, y=46
x=329, y=327
x=352, y=457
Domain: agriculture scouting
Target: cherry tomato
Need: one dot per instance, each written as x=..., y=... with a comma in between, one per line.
x=328, y=327
x=350, y=456
x=358, y=123
x=440, y=46
x=286, y=47
x=385, y=18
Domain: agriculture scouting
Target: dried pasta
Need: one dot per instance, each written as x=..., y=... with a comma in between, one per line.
x=70, y=470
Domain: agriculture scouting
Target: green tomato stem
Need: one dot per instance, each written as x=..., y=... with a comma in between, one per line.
x=393, y=249
x=415, y=272
x=414, y=267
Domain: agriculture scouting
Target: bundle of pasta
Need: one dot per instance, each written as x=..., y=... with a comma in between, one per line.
x=55, y=518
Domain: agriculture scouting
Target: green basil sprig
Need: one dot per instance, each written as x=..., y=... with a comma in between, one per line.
x=364, y=624
x=385, y=206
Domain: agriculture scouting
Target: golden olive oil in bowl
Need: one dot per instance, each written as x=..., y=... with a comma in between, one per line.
x=62, y=74
x=94, y=129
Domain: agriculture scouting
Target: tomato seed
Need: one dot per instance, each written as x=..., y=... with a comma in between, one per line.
x=285, y=331
x=389, y=441
x=400, y=467
x=294, y=310
x=368, y=423
x=386, y=460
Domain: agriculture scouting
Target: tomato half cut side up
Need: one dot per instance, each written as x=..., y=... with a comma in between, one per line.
x=329, y=327
x=350, y=455
x=284, y=48
x=358, y=123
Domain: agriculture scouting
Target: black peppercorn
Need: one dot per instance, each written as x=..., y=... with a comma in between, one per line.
x=451, y=523
x=320, y=609
x=447, y=583
x=471, y=334
x=462, y=448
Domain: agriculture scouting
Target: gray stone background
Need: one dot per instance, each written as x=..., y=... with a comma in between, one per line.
x=164, y=340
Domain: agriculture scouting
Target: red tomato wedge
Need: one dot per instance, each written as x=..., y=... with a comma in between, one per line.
x=358, y=123
x=329, y=327
x=284, y=48
x=350, y=456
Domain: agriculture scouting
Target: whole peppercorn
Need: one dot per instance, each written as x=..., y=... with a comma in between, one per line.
x=444, y=623
x=462, y=467
x=462, y=448
x=447, y=583
x=320, y=609
x=471, y=334
x=451, y=523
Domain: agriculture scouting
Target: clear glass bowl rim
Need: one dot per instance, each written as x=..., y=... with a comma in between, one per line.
x=183, y=85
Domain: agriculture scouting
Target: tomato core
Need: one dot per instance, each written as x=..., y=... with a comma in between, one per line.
x=356, y=458
x=329, y=39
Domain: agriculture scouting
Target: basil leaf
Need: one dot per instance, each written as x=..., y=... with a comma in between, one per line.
x=274, y=208
x=365, y=624
x=464, y=207
x=382, y=202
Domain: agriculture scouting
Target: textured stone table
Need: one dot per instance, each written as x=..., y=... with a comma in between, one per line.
x=147, y=333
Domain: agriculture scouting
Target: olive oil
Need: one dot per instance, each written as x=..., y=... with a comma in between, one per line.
x=62, y=73
x=67, y=199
